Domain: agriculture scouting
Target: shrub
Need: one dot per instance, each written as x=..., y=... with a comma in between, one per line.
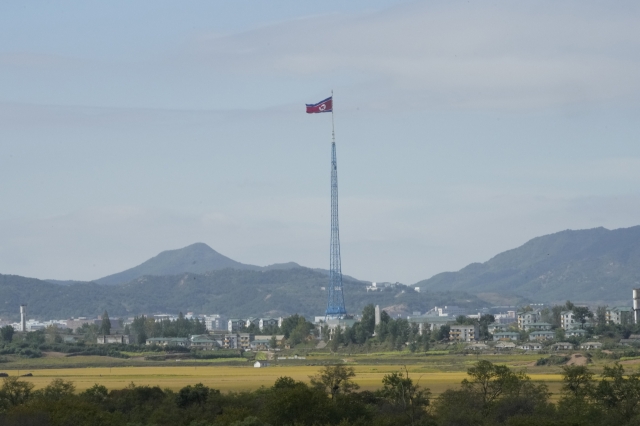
x=552, y=360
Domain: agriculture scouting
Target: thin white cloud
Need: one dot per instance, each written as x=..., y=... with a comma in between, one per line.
x=499, y=55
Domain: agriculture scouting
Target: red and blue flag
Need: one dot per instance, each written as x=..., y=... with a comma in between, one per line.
x=322, y=106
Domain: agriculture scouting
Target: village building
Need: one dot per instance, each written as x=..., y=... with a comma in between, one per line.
x=504, y=346
x=562, y=346
x=591, y=345
x=464, y=333
x=105, y=339
x=506, y=335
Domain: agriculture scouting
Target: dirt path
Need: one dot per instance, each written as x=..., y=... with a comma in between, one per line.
x=577, y=359
x=54, y=354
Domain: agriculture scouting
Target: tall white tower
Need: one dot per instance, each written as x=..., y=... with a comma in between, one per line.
x=636, y=305
x=23, y=317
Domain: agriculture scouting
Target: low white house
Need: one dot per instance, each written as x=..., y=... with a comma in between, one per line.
x=168, y=341
x=506, y=335
x=478, y=347
x=563, y=346
x=542, y=335
x=591, y=345
x=531, y=347
x=260, y=364
x=497, y=327
x=104, y=339
x=575, y=332
x=537, y=326
x=505, y=346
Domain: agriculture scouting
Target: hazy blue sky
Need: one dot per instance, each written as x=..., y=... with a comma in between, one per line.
x=463, y=130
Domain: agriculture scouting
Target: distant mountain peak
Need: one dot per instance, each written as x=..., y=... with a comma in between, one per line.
x=198, y=247
x=197, y=258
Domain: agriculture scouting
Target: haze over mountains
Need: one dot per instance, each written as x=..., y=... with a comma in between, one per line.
x=595, y=265
x=197, y=258
x=230, y=292
x=586, y=265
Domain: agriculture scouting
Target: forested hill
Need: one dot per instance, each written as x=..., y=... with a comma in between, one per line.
x=229, y=292
x=587, y=265
x=197, y=258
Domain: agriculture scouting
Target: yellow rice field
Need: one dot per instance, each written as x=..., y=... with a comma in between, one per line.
x=231, y=378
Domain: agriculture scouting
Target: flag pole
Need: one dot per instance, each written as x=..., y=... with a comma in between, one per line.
x=333, y=129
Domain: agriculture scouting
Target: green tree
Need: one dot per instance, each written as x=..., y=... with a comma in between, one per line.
x=105, y=326
x=289, y=323
x=490, y=381
x=194, y=395
x=582, y=313
x=294, y=403
x=7, y=333
x=199, y=327
x=139, y=328
x=96, y=393
x=368, y=322
x=361, y=333
x=404, y=395
x=56, y=390
x=336, y=339
x=35, y=337
x=335, y=379
x=577, y=381
x=601, y=316
x=14, y=392
x=141, y=337
x=382, y=329
x=491, y=395
x=273, y=342
x=556, y=315
x=577, y=391
x=483, y=323
x=442, y=333
x=463, y=320
x=301, y=332
x=619, y=394
x=425, y=338
x=249, y=421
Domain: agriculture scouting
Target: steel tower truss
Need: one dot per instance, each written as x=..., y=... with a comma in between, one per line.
x=335, y=305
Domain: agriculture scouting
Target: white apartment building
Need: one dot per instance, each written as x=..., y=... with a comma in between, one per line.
x=464, y=333
x=214, y=322
x=615, y=315
x=447, y=311
x=527, y=318
x=567, y=320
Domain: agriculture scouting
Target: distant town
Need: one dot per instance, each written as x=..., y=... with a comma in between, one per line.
x=501, y=328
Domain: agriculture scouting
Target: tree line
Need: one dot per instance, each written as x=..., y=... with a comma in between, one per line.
x=490, y=395
x=143, y=327
x=396, y=334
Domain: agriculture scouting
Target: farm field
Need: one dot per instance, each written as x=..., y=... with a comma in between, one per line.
x=437, y=370
x=230, y=378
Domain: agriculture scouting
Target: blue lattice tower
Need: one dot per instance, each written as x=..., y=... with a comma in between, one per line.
x=335, y=305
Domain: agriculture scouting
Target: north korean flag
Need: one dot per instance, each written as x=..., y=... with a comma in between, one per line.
x=322, y=106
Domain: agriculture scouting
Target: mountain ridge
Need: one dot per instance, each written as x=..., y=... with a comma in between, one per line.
x=229, y=292
x=590, y=264
x=197, y=258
